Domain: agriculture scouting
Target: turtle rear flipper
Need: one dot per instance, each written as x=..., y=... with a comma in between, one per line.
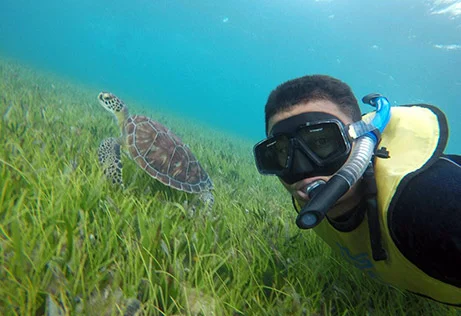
x=111, y=161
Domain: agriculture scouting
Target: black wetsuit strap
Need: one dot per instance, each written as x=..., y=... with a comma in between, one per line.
x=378, y=251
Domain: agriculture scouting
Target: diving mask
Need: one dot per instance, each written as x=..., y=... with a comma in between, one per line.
x=303, y=146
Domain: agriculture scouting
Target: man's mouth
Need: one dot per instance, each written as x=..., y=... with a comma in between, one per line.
x=300, y=188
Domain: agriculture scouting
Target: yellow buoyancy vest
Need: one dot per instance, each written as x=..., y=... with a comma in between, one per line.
x=415, y=137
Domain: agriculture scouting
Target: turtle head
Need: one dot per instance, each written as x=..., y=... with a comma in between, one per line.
x=114, y=105
x=111, y=102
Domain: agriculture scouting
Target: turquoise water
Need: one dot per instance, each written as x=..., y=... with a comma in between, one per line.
x=217, y=61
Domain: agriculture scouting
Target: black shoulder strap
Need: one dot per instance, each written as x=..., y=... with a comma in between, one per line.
x=377, y=249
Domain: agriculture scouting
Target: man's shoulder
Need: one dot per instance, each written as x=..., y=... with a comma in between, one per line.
x=425, y=223
x=432, y=191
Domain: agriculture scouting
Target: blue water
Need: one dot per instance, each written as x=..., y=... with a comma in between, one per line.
x=217, y=61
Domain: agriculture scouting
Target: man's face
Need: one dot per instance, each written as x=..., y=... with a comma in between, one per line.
x=298, y=189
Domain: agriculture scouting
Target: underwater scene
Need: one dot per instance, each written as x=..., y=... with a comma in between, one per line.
x=128, y=183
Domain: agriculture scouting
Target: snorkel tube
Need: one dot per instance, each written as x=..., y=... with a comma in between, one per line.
x=324, y=195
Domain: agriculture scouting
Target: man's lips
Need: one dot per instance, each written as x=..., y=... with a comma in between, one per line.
x=301, y=185
x=300, y=188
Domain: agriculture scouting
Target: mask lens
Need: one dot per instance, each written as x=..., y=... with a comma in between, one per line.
x=325, y=140
x=273, y=154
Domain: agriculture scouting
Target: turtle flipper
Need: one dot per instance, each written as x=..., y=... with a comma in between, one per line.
x=208, y=199
x=111, y=161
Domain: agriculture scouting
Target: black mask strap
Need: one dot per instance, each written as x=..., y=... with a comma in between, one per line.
x=290, y=124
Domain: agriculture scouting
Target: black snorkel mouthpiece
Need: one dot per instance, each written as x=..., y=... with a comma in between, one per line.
x=313, y=188
x=310, y=218
x=323, y=197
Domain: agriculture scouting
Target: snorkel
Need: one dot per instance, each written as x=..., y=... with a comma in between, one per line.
x=323, y=195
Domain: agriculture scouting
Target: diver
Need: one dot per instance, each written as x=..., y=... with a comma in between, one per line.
x=377, y=188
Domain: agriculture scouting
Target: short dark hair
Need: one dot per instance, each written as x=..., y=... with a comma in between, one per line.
x=312, y=88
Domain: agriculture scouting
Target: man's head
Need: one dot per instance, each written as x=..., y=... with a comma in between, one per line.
x=305, y=122
x=312, y=88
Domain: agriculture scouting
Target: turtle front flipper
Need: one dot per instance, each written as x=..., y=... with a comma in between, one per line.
x=111, y=161
x=207, y=199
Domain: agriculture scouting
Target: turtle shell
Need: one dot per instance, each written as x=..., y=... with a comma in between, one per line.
x=164, y=156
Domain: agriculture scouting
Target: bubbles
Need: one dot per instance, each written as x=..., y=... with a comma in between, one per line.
x=448, y=47
x=448, y=7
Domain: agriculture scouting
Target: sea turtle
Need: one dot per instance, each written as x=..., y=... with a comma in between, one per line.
x=154, y=148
